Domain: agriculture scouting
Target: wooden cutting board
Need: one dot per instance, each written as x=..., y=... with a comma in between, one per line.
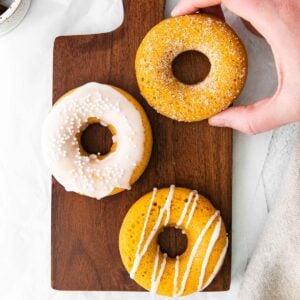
x=85, y=254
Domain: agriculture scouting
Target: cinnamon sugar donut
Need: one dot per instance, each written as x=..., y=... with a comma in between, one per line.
x=96, y=175
x=206, y=248
x=171, y=37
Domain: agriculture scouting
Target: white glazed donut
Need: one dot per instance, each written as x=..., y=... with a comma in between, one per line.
x=87, y=174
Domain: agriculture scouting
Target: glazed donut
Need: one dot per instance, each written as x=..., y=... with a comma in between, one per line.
x=97, y=175
x=171, y=37
x=206, y=247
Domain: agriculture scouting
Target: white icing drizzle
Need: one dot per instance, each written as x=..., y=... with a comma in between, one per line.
x=155, y=280
x=191, y=214
x=85, y=174
x=166, y=208
x=212, y=242
x=176, y=273
x=155, y=265
x=136, y=261
x=185, y=208
x=217, y=266
x=194, y=252
x=168, y=203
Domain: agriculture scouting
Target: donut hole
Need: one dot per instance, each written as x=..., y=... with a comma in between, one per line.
x=3, y=8
x=173, y=241
x=96, y=139
x=191, y=67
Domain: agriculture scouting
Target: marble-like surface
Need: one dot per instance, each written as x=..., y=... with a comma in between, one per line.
x=25, y=98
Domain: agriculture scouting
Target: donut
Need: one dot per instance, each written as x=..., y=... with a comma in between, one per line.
x=174, y=36
x=194, y=215
x=96, y=175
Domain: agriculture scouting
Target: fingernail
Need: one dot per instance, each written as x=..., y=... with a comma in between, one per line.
x=174, y=12
x=218, y=122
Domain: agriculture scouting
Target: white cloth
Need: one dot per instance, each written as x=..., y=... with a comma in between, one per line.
x=274, y=269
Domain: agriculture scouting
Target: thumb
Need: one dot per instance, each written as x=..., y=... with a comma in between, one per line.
x=262, y=116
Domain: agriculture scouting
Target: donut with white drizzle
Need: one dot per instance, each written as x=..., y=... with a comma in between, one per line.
x=95, y=175
x=207, y=243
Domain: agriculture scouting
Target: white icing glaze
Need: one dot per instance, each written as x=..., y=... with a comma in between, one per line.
x=155, y=267
x=168, y=204
x=176, y=273
x=212, y=242
x=217, y=266
x=85, y=174
x=155, y=280
x=194, y=252
x=137, y=261
x=166, y=208
x=185, y=208
x=191, y=214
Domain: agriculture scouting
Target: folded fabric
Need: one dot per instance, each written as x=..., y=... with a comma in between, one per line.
x=274, y=268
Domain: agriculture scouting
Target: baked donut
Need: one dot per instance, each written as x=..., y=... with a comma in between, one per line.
x=97, y=175
x=206, y=247
x=171, y=37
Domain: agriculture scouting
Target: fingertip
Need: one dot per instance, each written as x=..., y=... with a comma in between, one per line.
x=174, y=12
x=218, y=122
x=183, y=8
x=230, y=118
x=179, y=11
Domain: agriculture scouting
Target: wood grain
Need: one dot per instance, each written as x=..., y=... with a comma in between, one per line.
x=85, y=254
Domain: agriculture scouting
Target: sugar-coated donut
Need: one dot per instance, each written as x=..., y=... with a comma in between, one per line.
x=96, y=175
x=206, y=247
x=171, y=37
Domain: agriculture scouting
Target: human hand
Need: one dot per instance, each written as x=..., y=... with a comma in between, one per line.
x=279, y=23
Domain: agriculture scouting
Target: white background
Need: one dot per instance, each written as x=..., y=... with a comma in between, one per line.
x=25, y=99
